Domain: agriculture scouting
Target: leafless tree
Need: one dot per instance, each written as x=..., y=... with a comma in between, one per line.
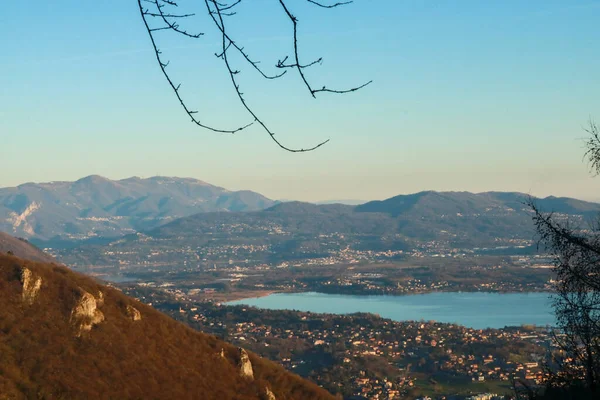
x=576, y=250
x=161, y=16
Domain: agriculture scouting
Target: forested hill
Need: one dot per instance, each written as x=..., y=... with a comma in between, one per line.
x=431, y=222
x=431, y=203
x=22, y=248
x=463, y=218
x=96, y=206
x=64, y=335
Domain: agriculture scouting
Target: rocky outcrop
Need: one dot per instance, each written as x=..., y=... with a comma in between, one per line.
x=46, y=352
x=85, y=314
x=31, y=285
x=133, y=313
x=245, y=365
x=269, y=395
x=20, y=220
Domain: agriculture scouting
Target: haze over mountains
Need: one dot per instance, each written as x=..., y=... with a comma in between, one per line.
x=426, y=221
x=96, y=206
x=462, y=216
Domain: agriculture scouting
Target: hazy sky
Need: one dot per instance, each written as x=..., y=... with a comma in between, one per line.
x=467, y=95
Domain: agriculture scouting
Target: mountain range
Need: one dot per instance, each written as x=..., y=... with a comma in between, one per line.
x=65, y=336
x=459, y=216
x=98, y=207
x=428, y=221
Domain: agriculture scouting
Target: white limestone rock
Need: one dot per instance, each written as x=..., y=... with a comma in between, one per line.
x=134, y=313
x=85, y=314
x=100, y=299
x=31, y=285
x=269, y=395
x=245, y=365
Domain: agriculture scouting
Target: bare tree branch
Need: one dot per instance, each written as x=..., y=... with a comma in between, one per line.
x=218, y=11
x=163, y=67
x=593, y=147
x=577, y=299
x=329, y=6
x=226, y=44
x=300, y=67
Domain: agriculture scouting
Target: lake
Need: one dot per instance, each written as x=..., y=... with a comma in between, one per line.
x=477, y=310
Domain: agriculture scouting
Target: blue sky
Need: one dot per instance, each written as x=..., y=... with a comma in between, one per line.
x=466, y=95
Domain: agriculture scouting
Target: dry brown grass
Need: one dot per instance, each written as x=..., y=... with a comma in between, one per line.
x=155, y=358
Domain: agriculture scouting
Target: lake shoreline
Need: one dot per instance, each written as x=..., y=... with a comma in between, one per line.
x=478, y=310
x=224, y=298
x=243, y=295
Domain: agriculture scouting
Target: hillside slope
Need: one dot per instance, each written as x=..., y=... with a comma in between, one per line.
x=23, y=249
x=62, y=335
x=96, y=206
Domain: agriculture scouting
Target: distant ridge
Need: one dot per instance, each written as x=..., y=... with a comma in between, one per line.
x=456, y=220
x=349, y=202
x=23, y=249
x=97, y=210
x=95, y=206
x=72, y=338
x=467, y=202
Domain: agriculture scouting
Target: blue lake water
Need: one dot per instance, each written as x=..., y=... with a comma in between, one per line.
x=476, y=310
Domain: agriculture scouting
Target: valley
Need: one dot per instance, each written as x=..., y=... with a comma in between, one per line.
x=428, y=242
x=299, y=200
x=369, y=356
x=407, y=244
